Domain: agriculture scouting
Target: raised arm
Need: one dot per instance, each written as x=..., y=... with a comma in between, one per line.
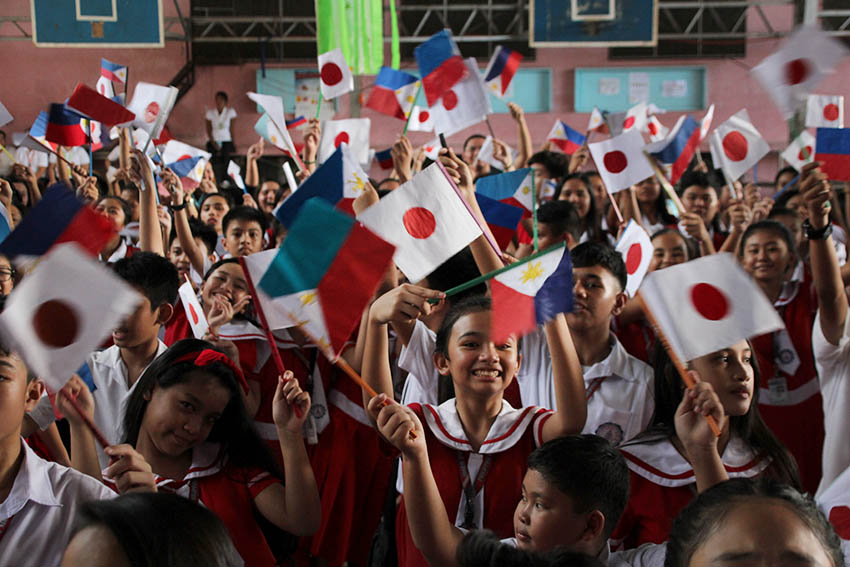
x=150, y=233
x=181, y=220
x=252, y=172
x=525, y=149
x=568, y=381
x=698, y=440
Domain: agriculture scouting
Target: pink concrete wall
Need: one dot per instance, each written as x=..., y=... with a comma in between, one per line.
x=37, y=76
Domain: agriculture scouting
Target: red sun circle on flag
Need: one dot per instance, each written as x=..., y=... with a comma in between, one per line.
x=653, y=129
x=331, y=73
x=735, y=146
x=805, y=153
x=709, y=301
x=628, y=122
x=424, y=116
x=839, y=517
x=797, y=71
x=615, y=161
x=419, y=222
x=449, y=100
x=340, y=138
x=184, y=156
x=633, y=258
x=101, y=88
x=55, y=323
x=151, y=112
x=194, y=314
x=830, y=111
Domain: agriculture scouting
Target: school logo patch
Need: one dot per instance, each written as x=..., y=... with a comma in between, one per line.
x=610, y=431
x=318, y=411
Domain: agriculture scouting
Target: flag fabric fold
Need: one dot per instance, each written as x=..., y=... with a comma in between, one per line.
x=736, y=145
x=514, y=188
x=96, y=106
x=832, y=150
x=502, y=218
x=801, y=151
x=501, y=69
x=636, y=248
x=440, y=65
x=335, y=77
x=393, y=93
x=678, y=148
x=152, y=104
x=567, y=139
x=620, y=160
x=63, y=127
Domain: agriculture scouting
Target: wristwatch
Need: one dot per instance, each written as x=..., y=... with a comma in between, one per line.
x=179, y=207
x=816, y=233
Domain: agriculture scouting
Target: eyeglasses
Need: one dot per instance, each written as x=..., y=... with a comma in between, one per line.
x=6, y=274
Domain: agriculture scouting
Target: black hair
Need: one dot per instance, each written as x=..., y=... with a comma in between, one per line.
x=782, y=200
x=782, y=211
x=244, y=213
x=691, y=246
x=588, y=254
x=704, y=515
x=750, y=427
x=125, y=206
x=222, y=94
x=592, y=223
x=693, y=177
x=589, y=470
x=247, y=314
x=473, y=137
x=787, y=169
x=199, y=230
x=157, y=529
x=555, y=163
x=458, y=269
x=151, y=273
x=561, y=217
x=133, y=189
x=770, y=225
x=482, y=548
x=472, y=304
x=233, y=430
x=206, y=196
x=660, y=207
x=381, y=183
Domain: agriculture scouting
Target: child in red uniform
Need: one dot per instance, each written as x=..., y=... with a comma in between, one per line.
x=477, y=443
x=187, y=420
x=790, y=399
x=662, y=475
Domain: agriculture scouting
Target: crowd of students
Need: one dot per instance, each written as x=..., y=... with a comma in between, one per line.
x=576, y=444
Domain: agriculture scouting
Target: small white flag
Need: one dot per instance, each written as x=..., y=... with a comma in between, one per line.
x=194, y=311
x=335, y=77
x=825, y=111
x=152, y=104
x=352, y=131
x=801, y=151
x=736, y=145
x=421, y=120
x=636, y=248
x=5, y=115
x=621, y=161
x=235, y=172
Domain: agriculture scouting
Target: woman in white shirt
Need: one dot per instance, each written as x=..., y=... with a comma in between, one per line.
x=219, y=136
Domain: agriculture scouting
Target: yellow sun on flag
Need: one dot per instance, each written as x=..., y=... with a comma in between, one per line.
x=359, y=184
x=533, y=271
x=410, y=98
x=526, y=190
x=308, y=298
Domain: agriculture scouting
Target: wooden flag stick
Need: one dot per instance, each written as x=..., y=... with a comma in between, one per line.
x=98, y=434
x=5, y=151
x=266, y=329
x=683, y=373
x=616, y=208
x=662, y=178
x=490, y=127
x=52, y=151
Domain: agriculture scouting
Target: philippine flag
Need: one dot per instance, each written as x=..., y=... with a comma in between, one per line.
x=295, y=122
x=440, y=65
x=678, y=148
x=501, y=70
x=113, y=71
x=384, y=158
x=531, y=293
x=501, y=218
x=833, y=152
x=514, y=187
x=63, y=127
x=394, y=93
x=567, y=139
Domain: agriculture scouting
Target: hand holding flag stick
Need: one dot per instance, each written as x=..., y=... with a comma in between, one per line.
x=98, y=434
x=665, y=183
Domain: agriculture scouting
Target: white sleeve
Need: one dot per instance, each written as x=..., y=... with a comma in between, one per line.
x=210, y=115
x=833, y=367
x=231, y=113
x=417, y=359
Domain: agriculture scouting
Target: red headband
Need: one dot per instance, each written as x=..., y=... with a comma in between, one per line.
x=208, y=356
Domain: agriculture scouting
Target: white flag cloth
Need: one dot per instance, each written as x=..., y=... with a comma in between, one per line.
x=335, y=77
x=235, y=172
x=736, y=145
x=801, y=151
x=62, y=312
x=657, y=130
x=421, y=120
x=276, y=312
x=596, y=120
x=104, y=86
x=432, y=149
x=425, y=219
x=464, y=105
x=5, y=115
x=707, y=304
x=152, y=104
x=621, y=161
x=352, y=131
x=825, y=111
x=194, y=311
x=801, y=62
x=485, y=154
x=634, y=118
x=175, y=150
x=636, y=248
x=705, y=123
x=354, y=179
x=275, y=124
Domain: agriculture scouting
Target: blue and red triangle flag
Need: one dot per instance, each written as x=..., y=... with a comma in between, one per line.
x=531, y=293
x=514, y=188
x=567, y=139
x=501, y=70
x=63, y=127
x=113, y=71
x=501, y=218
x=440, y=65
x=678, y=148
x=832, y=150
x=385, y=158
x=295, y=122
x=58, y=217
x=92, y=104
x=326, y=271
x=393, y=93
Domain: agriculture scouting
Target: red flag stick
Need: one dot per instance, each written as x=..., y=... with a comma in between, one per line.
x=98, y=434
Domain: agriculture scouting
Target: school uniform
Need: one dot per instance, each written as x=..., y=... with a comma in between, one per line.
x=638, y=338
x=647, y=555
x=493, y=475
x=834, y=502
x=124, y=250
x=663, y=482
x=789, y=393
x=37, y=517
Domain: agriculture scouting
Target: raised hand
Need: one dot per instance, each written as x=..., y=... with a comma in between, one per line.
x=395, y=423
x=287, y=396
x=404, y=304
x=129, y=470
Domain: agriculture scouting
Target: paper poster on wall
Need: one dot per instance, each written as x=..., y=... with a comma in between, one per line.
x=638, y=87
x=609, y=86
x=592, y=10
x=677, y=88
x=307, y=97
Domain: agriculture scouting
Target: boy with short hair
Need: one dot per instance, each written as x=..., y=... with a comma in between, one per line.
x=204, y=238
x=116, y=370
x=119, y=212
x=557, y=221
x=242, y=231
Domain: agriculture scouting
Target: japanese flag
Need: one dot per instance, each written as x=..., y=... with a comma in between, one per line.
x=63, y=311
x=235, y=173
x=801, y=151
x=803, y=60
x=427, y=221
x=421, y=120
x=432, y=149
x=636, y=248
x=736, y=145
x=335, y=77
x=621, y=161
x=152, y=104
x=634, y=118
x=194, y=311
x=834, y=498
x=707, y=304
x=104, y=87
x=825, y=111
x=465, y=104
x=352, y=131
x=705, y=123
x=657, y=130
